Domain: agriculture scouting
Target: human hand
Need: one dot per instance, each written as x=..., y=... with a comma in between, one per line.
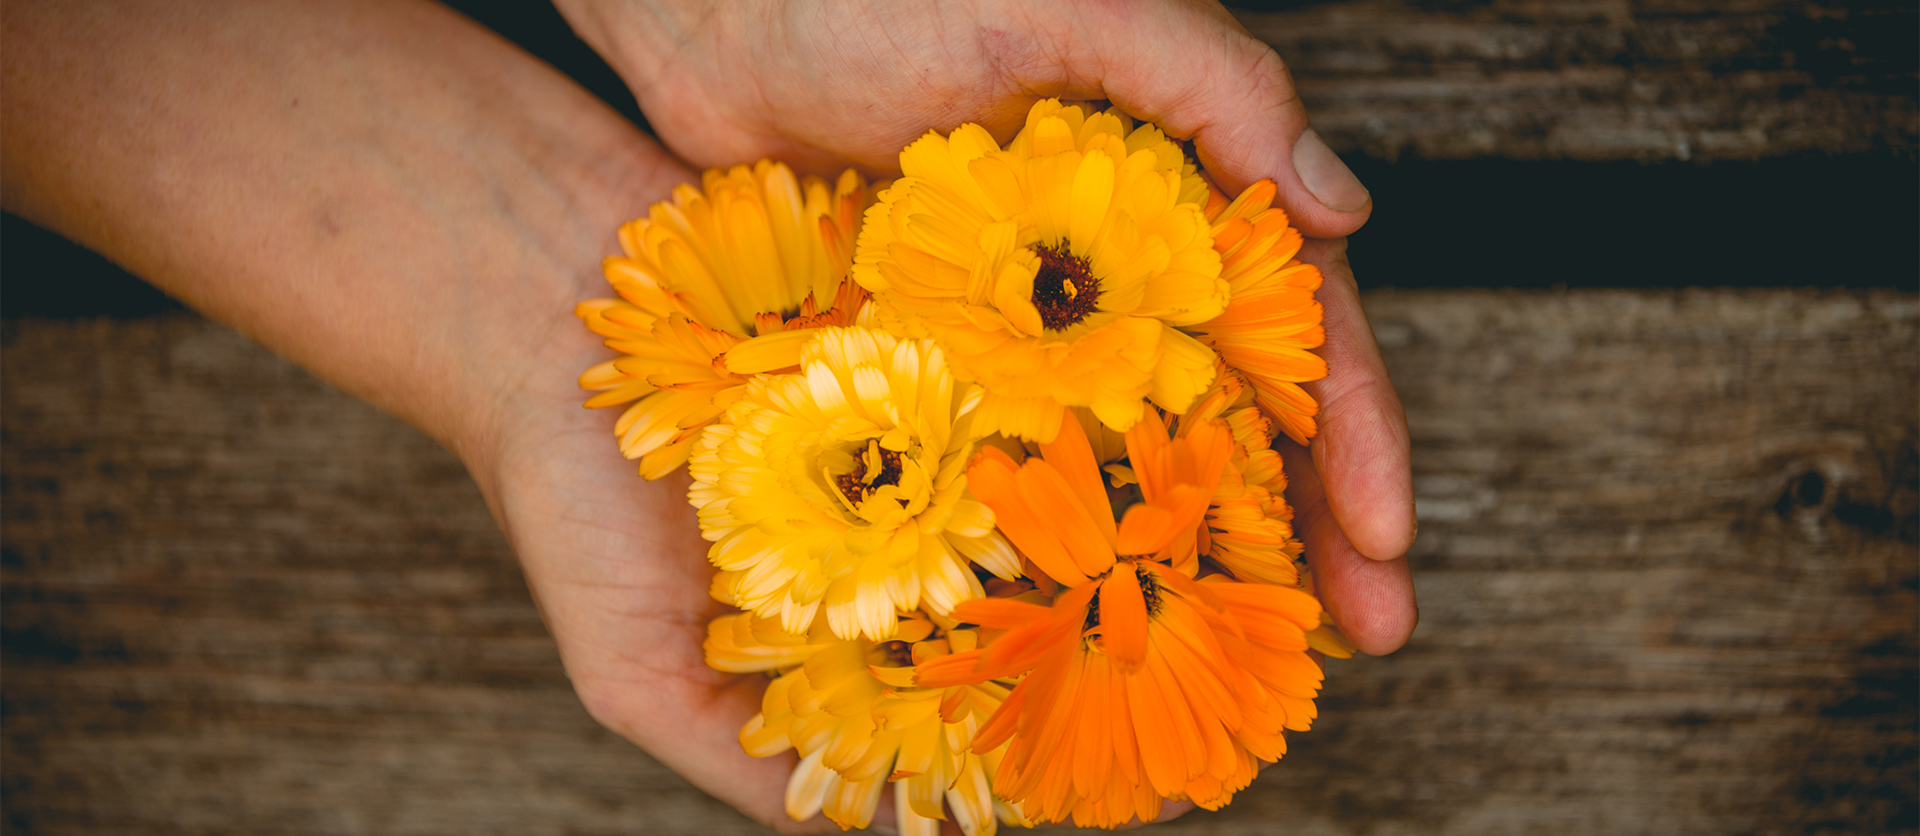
x=825, y=84
x=619, y=571
x=842, y=82
x=1352, y=491
x=616, y=563
x=410, y=207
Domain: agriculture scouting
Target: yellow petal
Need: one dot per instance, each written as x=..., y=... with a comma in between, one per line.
x=1092, y=192
x=778, y=350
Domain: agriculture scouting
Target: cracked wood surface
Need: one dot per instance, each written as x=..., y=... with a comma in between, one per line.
x=1667, y=570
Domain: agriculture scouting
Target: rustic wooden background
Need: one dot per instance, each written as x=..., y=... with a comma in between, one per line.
x=1668, y=564
x=1667, y=569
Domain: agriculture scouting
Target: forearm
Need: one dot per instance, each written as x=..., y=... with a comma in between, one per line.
x=383, y=192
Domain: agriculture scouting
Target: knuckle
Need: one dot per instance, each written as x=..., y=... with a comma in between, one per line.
x=1267, y=74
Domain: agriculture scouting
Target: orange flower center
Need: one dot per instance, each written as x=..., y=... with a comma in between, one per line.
x=1064, y=290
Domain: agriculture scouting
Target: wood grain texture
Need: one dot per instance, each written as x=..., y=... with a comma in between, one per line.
x=1668, y=573
x=1603, y=79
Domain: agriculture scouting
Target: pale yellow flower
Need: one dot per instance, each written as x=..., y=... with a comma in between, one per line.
x=842, y=488
x=850, y=709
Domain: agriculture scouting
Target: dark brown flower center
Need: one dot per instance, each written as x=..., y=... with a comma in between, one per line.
x=874, y=467
x=891, y=654
x=1149, y=590
x=1063, y=289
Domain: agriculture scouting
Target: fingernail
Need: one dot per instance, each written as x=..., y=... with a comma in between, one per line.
x=1329, y=179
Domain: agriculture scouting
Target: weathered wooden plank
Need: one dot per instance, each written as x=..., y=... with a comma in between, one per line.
x=1603, y=79
x=239, y=602
x=1667, y=566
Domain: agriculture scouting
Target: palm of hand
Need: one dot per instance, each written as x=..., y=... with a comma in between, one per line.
x=620, y=574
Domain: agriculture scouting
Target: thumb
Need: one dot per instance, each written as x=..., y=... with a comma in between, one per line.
x=1192, y=68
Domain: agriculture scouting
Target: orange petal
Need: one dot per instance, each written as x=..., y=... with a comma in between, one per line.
x=1146, y=446
x=1209, y=446
x=994, y=481
x=1004, y=613
x=948, y=671
x=1123, y=617
x=1253, y=201
x=1021, y=649
x=1072, y=455
x=1126, y=753
x=1000, y=726
x=1161, y=755
x=1046, y=496
x=1144, y=530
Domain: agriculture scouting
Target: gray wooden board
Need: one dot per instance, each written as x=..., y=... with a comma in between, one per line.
x=1667, y=570
x=1603, y=79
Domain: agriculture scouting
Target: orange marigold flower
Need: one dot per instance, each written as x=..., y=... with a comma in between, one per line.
x=1248, y=530
x=753, y=252
x=1271, y=319
x=1249, y=525
x=1141, y=686
x=1055, y=509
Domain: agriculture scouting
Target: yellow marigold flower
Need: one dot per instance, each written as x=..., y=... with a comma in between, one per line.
x=753, y=252
x=1055, y=271
x=850, y=708
x=1272, y=320
x=845, y=485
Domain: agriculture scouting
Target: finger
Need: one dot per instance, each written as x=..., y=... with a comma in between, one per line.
x=1169, y=810
x=1175, y=809
x=1196, y=72
x=1371, y=600
x=1362, y=451
x=702, y=745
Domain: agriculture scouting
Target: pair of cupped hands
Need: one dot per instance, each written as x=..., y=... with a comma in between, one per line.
x=616, y=563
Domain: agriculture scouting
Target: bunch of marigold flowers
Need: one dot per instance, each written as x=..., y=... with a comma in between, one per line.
x=985, y=455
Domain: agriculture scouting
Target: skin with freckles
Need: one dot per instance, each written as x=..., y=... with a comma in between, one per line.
x=409, y=206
